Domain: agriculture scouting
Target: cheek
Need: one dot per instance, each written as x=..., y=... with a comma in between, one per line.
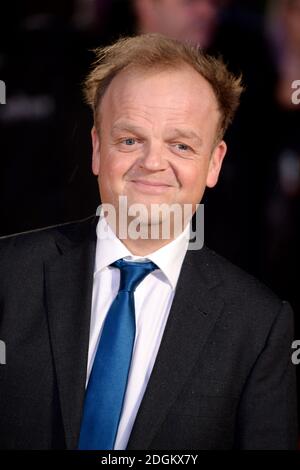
x=113, y=180
x=192, y=178
x=113, y=169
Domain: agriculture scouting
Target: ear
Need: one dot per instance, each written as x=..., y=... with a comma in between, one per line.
x=215, y=164
x=96, y=151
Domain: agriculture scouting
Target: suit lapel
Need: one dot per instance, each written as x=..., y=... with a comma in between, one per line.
x=68, y=292
x=194, y=311
x=69, y=283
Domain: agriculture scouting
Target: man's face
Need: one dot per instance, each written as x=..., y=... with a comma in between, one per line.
x=157, y=138
x=185, y=20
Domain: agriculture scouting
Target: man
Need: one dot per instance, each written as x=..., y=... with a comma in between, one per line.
x=185, y=20
x=195, y=355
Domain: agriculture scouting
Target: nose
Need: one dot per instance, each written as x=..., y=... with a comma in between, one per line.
x=154, y=158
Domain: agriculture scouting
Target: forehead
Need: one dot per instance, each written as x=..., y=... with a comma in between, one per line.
x=163, y=93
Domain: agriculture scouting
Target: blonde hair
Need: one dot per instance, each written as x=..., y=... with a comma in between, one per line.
x=154, y=51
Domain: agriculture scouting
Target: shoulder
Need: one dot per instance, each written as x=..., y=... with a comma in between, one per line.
x=235, y=279
x=246, y=297
x=41, y=242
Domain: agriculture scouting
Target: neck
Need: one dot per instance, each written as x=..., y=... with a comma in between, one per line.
x=142, y=247
x=150, y=239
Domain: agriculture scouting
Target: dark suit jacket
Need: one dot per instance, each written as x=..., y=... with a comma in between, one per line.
x=222, y=379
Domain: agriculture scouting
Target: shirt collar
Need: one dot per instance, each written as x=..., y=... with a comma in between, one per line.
x=168, y=258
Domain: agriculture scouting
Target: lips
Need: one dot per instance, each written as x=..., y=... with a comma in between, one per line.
x=151, y=187
x=151, y=183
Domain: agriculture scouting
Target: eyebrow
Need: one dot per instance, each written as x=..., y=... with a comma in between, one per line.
x=187, y=134
x=174, y=132
x=126, y=126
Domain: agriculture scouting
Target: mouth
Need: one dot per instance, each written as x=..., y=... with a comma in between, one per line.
x=151, y=187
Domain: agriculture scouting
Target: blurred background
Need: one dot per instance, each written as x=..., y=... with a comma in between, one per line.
x=252, y=216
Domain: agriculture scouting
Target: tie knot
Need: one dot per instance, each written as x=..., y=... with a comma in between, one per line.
x=132, y=273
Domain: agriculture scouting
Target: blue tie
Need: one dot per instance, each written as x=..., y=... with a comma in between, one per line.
x=107, y=383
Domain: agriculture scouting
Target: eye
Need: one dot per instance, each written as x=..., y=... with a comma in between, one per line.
x=182, y=147
x=129, y=141
x=128, y=144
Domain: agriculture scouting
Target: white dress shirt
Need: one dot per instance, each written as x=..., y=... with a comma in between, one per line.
x=153, y=298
